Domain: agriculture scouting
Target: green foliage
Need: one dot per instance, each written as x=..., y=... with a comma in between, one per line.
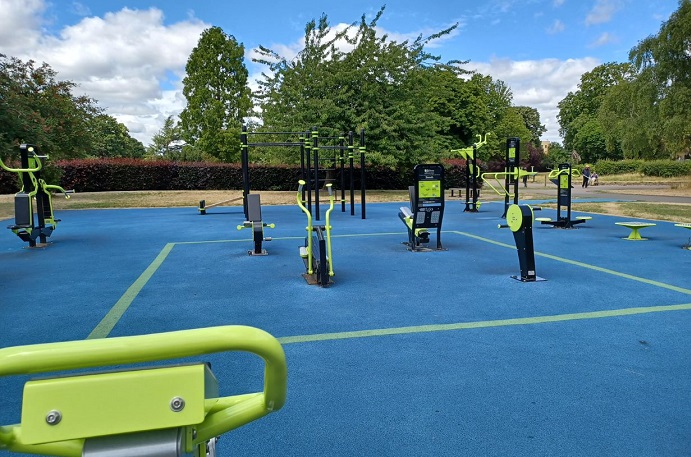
x=414, y=108
x=112, y=139
x=36, y=108
x=218, y=98
x=580, y=126
x=531, y=118
x=661, y=168
x=610, y=167
x=557, y=154
x=666, y=168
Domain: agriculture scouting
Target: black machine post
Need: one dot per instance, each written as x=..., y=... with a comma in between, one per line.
x=426, y=210
x=513, y=146
x=255, y=222
x=563, y=180
x=519, y=218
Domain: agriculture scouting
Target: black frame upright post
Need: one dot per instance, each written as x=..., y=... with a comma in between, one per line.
x=513, y=147
x=245, y=159
x=362, y=173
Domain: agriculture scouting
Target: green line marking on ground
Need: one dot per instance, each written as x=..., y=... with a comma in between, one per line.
x=586, y=265
x=103, y=329
x=480, y=324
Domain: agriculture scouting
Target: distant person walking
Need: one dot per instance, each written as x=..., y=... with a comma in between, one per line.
x=586, y=176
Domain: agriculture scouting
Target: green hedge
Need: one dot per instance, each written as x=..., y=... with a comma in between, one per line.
x=662, y=168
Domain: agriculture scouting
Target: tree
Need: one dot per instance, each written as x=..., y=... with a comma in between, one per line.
x=665, y=59
x=218, y=98
x=112, y=139
x=37, y=108
x=578, y=111
x=167, y=143
x=414, y=108
x=531, y=117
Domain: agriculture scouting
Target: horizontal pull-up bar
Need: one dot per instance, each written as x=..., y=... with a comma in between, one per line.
x=284, y=143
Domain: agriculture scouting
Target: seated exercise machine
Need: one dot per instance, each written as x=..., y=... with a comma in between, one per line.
x=562, y=177
x=254, y=211
x=27, y=226
x=519, y=218
x=161, y=411
x=318, y=265
x=426, y=207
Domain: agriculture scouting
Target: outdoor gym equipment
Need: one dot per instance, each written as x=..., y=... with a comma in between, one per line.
x=319, y=265
x=27, y=226
x=519, y=218
x=685, y=225
x=203, y=206
x=312, y=169
x=512, y=175
x=255, y=222
x=635, y=228
x=426, y=207
x=160, y=411
x=562, y=177
x=472, y=174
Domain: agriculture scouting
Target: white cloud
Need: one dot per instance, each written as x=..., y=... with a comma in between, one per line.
x=602, y=11
x=603, y=39
x=120, y=60
x=556, y=27
x=540, y=84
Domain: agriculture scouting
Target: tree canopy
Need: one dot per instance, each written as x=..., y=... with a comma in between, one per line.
x=218, y=97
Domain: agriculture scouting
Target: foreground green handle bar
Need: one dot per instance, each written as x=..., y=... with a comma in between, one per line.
x=38, y=167
x=229, y=413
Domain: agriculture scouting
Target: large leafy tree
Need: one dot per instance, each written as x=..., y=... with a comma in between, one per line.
x=580, y=126
x=531, y=118
x=35, y=107
x=381, y=85
x=112, y=139
x=664, y=65
x=218, y=97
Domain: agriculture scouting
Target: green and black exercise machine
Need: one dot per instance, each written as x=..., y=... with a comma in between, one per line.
x=27, y=226
x=318, y=265
x=512, y=175
x=426, y=210
x=562, y=177
x=158, y=411
x=472, y=174
x=255, y=222
x=519, y=218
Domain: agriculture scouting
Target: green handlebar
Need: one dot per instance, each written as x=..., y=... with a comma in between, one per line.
x=38, y=167
x=239, y=410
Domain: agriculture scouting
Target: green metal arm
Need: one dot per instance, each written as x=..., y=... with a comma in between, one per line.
x=22, y=170
x=229, y=412
x=554, y=174
x=328, y=228
x=301, y=204
x=55, y=188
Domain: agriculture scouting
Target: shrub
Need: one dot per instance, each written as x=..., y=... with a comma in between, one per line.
x=666, y=168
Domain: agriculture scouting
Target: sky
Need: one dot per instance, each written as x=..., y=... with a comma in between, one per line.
x=130, y=55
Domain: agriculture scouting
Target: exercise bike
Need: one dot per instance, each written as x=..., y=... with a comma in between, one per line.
x=316, y=252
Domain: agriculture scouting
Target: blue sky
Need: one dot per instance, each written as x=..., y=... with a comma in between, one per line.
x=130, y=55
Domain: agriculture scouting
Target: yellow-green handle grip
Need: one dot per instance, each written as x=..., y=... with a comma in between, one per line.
x=73, y=355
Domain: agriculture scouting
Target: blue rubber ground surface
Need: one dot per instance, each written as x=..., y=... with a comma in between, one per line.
x=407, y=354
